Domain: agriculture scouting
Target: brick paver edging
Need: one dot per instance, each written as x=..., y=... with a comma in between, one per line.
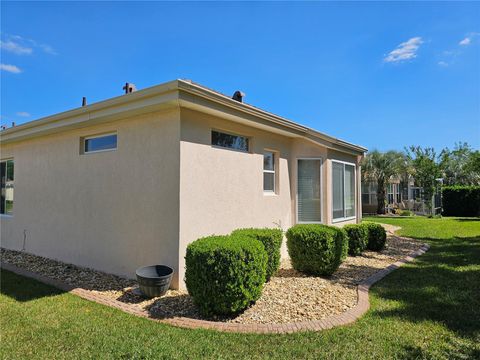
x=329, y=322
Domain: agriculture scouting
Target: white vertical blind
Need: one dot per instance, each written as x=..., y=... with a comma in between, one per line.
x=349, y=190
x=309, y=190
x=343, y=188
x=337, y=189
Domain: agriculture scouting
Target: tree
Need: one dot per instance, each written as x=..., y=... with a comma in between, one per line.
x=458, y=165
x=473, y=166
x=425, y=170
x=379, y=168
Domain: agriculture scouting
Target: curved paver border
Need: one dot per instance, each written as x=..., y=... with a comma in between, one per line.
x=329, y=322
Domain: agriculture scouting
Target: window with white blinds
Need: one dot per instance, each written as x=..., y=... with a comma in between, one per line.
x=309, y=190
x=343, y=190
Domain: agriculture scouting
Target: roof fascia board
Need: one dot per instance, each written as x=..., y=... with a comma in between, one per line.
x=299, y=130
x=98, y=113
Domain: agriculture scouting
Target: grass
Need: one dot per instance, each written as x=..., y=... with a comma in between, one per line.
x=427, y=309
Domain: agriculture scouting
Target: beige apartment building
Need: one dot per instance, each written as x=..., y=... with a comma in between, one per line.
x=132, y=180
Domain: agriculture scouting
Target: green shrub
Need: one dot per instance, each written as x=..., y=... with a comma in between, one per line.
x=406, y=213
x=377, y=236
x=461, y=200
x=225, y=274
x=316, y=249
x=357, y=238
x=271, y=240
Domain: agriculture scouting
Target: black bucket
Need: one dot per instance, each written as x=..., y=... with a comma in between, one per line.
x=154, y=280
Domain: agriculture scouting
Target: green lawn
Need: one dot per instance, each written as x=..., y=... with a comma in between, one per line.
x=426, y=309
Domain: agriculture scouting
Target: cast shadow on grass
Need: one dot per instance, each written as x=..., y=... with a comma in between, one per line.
x=442, y=286
x=24, y=289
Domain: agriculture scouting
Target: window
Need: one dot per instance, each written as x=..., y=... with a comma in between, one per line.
x=229, y=141
x=7, y=174
x=309, y=190
x=99, y=143
x=390, y=193
x=415, y=193
x=398, y=194
x=343, y=190
x=269, y=171
x=369, y=193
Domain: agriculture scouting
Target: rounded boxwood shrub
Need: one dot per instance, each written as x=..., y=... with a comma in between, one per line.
x=357, y=238
x=316, y=249
x=271, y=240
x=225, y=274
x=377, y=236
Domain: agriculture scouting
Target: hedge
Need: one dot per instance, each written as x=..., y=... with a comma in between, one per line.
x=377, y=236
x=316, y=249
x=357, y=238
x=271, y=240
x=225, y=274
x=461, y=200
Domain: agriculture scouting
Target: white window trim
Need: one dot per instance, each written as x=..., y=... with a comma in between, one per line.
x=274, y=172
x=336, y=220
x=8, y=216
x=322, y=219
x=85, y=138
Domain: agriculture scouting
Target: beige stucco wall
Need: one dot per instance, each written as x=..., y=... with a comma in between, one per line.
x=113, y=211
x=222, y=190
x=162, y=188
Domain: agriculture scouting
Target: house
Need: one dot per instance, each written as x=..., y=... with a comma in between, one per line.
x=400, y=194
x=132, y=180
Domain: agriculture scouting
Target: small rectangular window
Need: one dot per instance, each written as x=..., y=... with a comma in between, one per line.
x=7, y=177
x=268, y=171
x=100, y=143
x=229, y=141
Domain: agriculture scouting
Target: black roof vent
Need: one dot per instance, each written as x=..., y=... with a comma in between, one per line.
x=129, y=88
x=238, y=96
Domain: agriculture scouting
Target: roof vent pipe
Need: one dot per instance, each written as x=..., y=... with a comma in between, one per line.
x=13, y=123
x=129, y=88
x=238, y=96
x=84, y=101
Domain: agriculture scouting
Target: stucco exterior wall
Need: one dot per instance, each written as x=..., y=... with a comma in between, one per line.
x=163, y=187
x=222, y=190
x=113, y=211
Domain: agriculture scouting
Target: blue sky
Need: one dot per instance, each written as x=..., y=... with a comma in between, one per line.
x=383, y=75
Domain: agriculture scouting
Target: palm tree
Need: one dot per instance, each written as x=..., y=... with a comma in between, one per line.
x=379, y=167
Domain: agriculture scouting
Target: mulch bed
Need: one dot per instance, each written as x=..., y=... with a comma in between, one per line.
x=289, y=296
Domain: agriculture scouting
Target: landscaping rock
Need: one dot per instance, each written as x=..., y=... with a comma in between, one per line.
x=289, y=296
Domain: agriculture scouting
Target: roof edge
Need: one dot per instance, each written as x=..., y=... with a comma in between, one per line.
x=34, y=127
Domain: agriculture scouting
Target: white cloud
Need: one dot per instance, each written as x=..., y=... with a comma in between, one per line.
x=22, y=46
x=23, y=114
x=465, y=41
x=468, y=39
x=10, y=68
x=15, y=48
x=443, y=63
x=405, y=51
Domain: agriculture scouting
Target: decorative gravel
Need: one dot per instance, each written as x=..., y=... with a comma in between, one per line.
x=289, y=296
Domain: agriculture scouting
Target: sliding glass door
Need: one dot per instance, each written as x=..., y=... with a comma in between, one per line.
x=343, y=190
x=309, y=206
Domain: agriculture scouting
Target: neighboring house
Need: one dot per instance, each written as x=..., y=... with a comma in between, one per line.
x=399, y=194
x=132, y=180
